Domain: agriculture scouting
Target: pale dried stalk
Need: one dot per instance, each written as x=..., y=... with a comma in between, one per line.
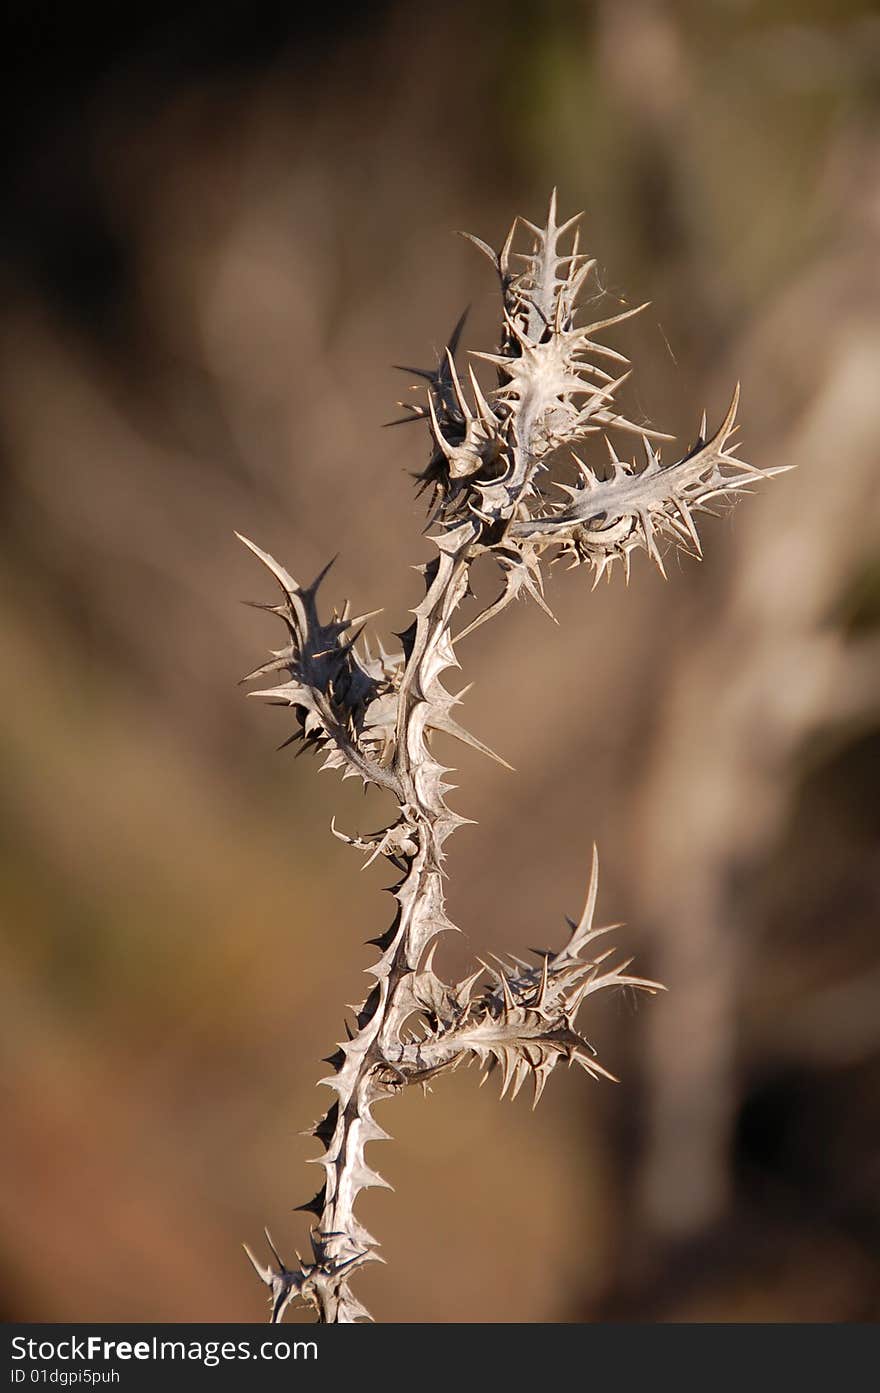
x=493, y=454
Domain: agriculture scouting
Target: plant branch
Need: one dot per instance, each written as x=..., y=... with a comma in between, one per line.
x=493, y=452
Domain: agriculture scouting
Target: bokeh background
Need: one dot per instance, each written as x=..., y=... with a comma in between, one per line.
x=221, y=226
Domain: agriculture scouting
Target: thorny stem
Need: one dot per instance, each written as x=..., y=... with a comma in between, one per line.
x=374, y=717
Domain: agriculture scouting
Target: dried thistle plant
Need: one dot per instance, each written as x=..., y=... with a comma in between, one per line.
x=493, y=456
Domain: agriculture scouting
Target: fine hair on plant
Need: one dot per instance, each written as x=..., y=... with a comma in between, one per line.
x=500, y=483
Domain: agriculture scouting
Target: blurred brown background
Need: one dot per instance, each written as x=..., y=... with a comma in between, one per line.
x=221, y=225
